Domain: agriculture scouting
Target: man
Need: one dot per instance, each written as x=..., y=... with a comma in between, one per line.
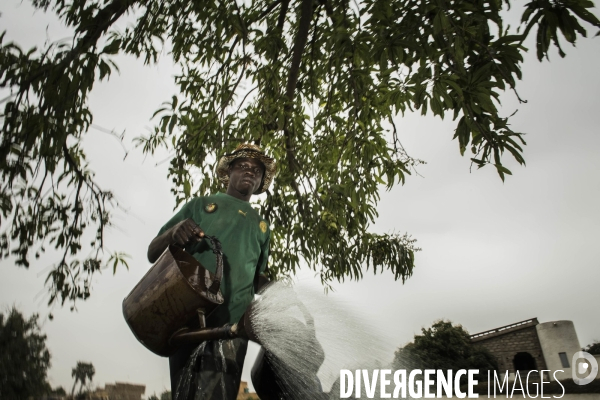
x=215, y=368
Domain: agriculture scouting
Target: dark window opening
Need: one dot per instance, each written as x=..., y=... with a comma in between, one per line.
x=564, y=360
x=524, y=362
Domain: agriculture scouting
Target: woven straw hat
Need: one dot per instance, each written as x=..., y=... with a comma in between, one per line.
x=248, y=150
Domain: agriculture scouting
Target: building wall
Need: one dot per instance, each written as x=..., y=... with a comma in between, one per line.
x=124, y=391
x=558, y=337
x=244, y=392
x=505, y=346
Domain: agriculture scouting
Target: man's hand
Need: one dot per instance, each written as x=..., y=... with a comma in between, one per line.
x=186, y=232
x=182, y=234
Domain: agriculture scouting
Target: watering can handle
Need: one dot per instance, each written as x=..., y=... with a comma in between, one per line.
x=217, y=249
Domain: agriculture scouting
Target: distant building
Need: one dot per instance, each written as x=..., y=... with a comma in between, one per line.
x=528, y=345
x=119, y=391
x=245, y=394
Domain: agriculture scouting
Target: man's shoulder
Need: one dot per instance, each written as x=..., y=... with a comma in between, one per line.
x=194, y=202
x=255, y=212
x=263, y=224
x=245, y=206
x=214, y=202
x=202, y=199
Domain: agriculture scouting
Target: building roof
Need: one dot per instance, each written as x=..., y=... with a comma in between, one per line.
x=504, y=329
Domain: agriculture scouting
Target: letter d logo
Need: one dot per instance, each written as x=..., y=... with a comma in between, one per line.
x=590, y=364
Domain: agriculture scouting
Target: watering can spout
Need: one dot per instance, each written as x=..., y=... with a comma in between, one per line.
x=186, y=335
x=241, y=329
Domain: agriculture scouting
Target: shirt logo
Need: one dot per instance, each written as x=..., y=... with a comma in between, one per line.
x=263, y=226
x=243, y=213
x=210, y=208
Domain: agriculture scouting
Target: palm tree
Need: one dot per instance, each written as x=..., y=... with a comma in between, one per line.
x=81, y=373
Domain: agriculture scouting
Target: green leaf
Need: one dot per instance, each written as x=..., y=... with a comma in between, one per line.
x=112, y=47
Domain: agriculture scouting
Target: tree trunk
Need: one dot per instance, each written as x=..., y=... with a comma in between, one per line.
x=73, y=389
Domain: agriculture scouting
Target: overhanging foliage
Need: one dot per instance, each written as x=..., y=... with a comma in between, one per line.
x=316, y=83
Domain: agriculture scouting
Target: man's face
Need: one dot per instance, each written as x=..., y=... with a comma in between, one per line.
x=245, y=177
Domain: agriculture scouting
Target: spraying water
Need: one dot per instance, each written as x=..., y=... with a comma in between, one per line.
x=309, y=337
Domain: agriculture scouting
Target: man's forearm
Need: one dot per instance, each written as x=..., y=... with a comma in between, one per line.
x=182, y=234
x=159, y=244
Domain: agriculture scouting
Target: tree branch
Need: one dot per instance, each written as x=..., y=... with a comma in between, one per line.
x=282, y=14
x=100, y=23
x=299, y=44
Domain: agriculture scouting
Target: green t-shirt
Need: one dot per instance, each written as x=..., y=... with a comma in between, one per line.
x=245, y=238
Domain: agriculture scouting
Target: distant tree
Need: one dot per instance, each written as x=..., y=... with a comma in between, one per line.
x=444, y=346
x=153, y=397
x=593, y=348
x=166, y=395
x=59, y=391
x=82, y=395
x=24, y=358
x=82, y=372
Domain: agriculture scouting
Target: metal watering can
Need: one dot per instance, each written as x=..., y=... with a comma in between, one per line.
x=175, y=293
x=178, y=292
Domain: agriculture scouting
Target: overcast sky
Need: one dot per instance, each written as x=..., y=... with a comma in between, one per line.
x=494, y=253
